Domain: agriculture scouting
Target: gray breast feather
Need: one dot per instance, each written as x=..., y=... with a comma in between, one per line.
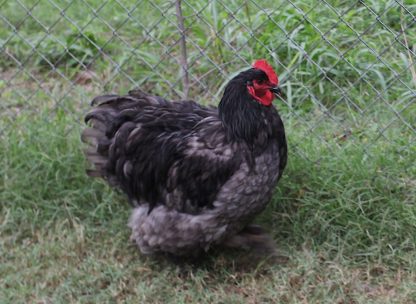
x=242, y=197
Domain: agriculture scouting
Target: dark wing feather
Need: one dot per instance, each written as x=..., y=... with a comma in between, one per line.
x=160, y=152
x=206, y=162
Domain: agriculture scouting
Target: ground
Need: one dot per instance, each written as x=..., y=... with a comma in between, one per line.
x=343, y=215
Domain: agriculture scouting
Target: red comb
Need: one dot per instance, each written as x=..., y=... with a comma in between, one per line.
x=262, y=64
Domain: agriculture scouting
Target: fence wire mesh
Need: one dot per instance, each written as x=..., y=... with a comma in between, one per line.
x=345, y=66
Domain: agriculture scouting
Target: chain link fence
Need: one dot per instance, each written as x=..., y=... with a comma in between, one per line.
x=345, y=66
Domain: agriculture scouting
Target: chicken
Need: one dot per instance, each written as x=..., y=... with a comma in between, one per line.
x=195, y=175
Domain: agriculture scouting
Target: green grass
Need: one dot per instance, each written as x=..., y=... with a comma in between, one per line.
x=145, y=46
x=345, y=226
x=343, y=215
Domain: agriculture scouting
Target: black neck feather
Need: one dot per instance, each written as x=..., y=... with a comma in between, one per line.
x=244, y=118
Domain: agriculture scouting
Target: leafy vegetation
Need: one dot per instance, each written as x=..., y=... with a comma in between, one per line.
x=344, y=214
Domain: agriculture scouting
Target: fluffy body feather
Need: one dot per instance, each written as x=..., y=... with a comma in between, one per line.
x=195, y=175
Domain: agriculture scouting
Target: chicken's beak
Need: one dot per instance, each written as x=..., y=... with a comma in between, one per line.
x=276, y=91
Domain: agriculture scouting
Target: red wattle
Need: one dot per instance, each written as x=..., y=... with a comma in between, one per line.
x=264, y=96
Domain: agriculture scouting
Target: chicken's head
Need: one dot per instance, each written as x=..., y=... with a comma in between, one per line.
x=262, y=82
x=247, y=100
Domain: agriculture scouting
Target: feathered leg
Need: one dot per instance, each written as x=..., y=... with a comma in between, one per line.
x=253, y=238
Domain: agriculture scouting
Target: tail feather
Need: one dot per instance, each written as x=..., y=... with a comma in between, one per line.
x=95, y=158
x=110, y=122
x=91, y=136
x=109, y=112
x=99, y=100
x=93, y=173
x=100, y=120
